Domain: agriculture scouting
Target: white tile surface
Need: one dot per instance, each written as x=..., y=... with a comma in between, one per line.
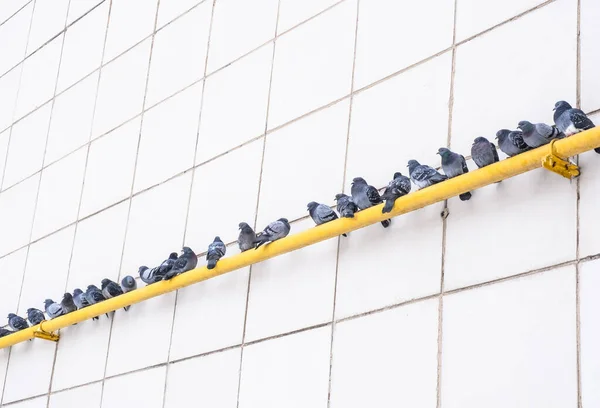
x=9, y=86
x=130, y=22
x=17, y=206
x=292, y=12
x=110, y=168
x=238, y=27
x=179, y=54
x=285, y=191
x=589, y=284
x=34, y=403
x=121, y=91
x=4, y=136
x=388, y=359
x=295, y=365
x=3, y=365
x=84, y=42
x=9, y=7
x=590, y=55
x=170, y=9
x=143, y=389
x=210, y=381
x=12, y=270
x=78, y=8
x=91, y=394
x=49, y=17
x=589, y=195
x=235, y=104
x=26, y=146
x=13, y=38
x=313, y=64
x=529, y=323
x=384, y=45
x=168, y=141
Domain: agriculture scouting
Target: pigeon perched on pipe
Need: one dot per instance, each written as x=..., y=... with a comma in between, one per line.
x=246, y=238
x=483, y=152
x=272, y=232
x=345, y=205
x=35, y=316
x=423, y=175
x=454, y=164
x=570, y=120
x=366, y=196
x=185, y=262
x=321, y=213
x=216, y=250
x=511, y=142
x=539, y=134
x=398, y=187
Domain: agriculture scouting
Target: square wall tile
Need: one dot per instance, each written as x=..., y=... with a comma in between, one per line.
x=179, y=54
x=26, y=146
x=4, y=137
x=72, y=116
x=209, y=381
x=60, y=191
x=387, y=359
x=197, y=328
x=487, y=79
x=49, y=17
x=589, y=285
x=169, y=131
x=512, y=235
x=143, y=389
x=10, y=7
x=590, y=55
x=130, y=22
x=4, y=354
x=379, y=52
x=588, y=203
x=121, y=90
x=111, y=163
x=280, y=287
x=78, y=8
x=238, y=27
x=313, y=64
x=91, y=394
x=285, y=190
x=135, y=341
x=38, y=79
x=529, y=325
x=240, y=91
x=208, y=218
x=40, y=402
x=160, y=213
x=171, y=9
x=12, y=268
x=84, y=43
x=296, y=365
x=369, y=275
x=9, y=86
x=13, y=38
x=292, y=12
x=378, y=128
x=17, y=206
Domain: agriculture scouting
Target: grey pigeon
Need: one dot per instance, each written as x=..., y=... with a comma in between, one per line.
x=53, y=309
x=396, y=188
x=111, y=289
x=68, y=303
x=79, y=299
x=16, y=323
x=93, y=296
x=345, y=206
x=147, y=275
x=539, y=134
x=511, y=142
x=5, y=332
x=423, y=175
x=321, y=213
x=128, y=284
x=366, y=196
x=216, y=250
x=454, y=164
x=35, y=316
x=570, y=120
x=166, y=267
x=185, y=262
x=246, y=238
x=274, y=231
x=483, y=152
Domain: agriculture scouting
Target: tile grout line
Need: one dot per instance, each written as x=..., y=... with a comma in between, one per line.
x=15, y=13
x=577, y=221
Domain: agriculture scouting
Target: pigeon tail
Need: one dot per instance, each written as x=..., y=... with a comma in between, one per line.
x=261, y=240
x=211, y=263
x=348, y=214
x=126, y=308
x=389, y=205
x=597, y=150
x=465, y=196
x=386, y=223
x=170, y=275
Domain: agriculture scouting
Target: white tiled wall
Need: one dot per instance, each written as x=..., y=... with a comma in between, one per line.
x=129, y=128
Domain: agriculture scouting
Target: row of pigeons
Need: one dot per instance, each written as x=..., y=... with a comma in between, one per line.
x=567, y=121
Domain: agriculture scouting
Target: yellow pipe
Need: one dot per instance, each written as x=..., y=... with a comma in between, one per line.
x=504, y=169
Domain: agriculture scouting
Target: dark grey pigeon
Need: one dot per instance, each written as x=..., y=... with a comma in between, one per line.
x=423, y=175
x=128, y=284
x=396, y=188
x=216, y=251
x=570, y=120
x=274, y=231
x=246, y=237
x=111, y=289
x=16, y=323
x=79, y=299
x=166, y=266
x=366, y=196
x=35, y=316
x=68, y=304
x=321, y=213
x=454, y=164
x=483, y=152
x=5, y=332
x=53, y=309
x=511, y=142
x=539, y=134
x=345, y=206
x=93, y=296
x=185, y=262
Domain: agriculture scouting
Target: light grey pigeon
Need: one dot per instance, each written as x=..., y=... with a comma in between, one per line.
x=53, y=309
x=366, y=196
x=246, y=238
x=185, y=262
x=274, y=231
x=454, y=164
x=79, y=299
x=321, y=213
x=511, y=142
x=539, y=134
x=5, y=332
x=93, y=296
x=570, y=120
x=35, y=316
x=128, y=284
x=147, y=275
x=483, y=152
x=345, y=206
x=216, y=250
x=16, y=323
x=68, y=304
x=396, y=188
x=423, y=175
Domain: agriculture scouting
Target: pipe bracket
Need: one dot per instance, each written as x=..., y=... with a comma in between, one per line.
x=559, y=165
x=44, y=335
